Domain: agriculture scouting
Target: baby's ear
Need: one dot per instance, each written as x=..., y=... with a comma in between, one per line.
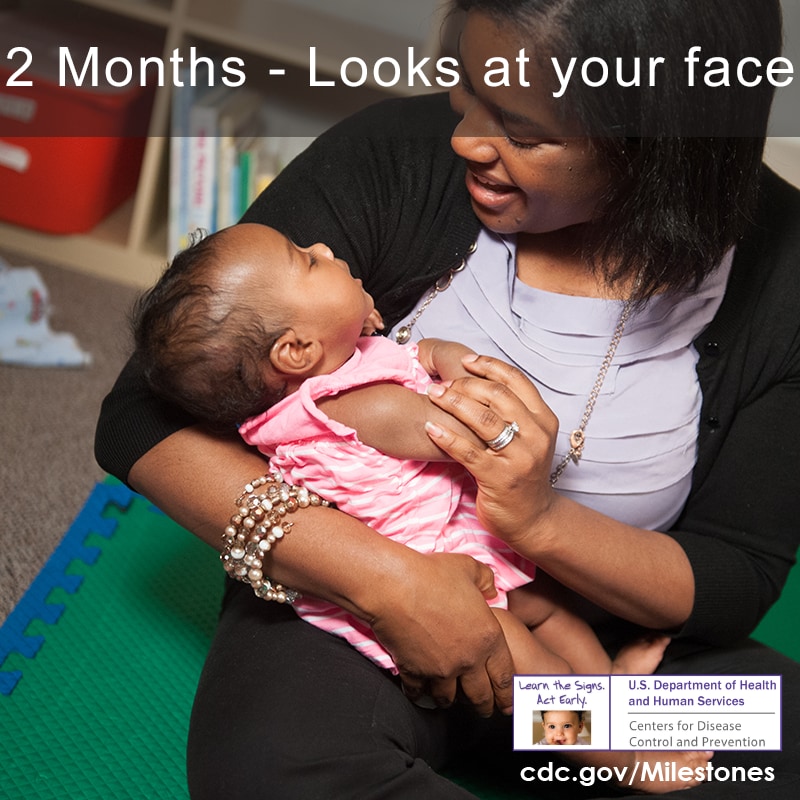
x=293, y=357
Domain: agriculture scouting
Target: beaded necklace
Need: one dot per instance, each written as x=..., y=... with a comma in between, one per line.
x=577, y=439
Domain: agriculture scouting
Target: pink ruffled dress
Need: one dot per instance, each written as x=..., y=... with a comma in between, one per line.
x=429, y=506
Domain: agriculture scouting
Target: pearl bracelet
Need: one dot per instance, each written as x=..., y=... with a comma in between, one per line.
x=257, y=525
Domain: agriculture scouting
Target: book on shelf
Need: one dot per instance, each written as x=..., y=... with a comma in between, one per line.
x=183, y=99
x=225, y=149
x=239, y=121
x=204, y=117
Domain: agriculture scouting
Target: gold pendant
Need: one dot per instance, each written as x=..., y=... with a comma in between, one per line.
x=403, y=335
x=577, y=439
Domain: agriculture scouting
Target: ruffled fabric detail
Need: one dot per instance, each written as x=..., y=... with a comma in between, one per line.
x=641, y=439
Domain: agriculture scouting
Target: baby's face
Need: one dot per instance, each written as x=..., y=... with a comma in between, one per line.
x=561, y=727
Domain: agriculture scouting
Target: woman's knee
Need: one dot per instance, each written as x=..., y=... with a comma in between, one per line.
x=284, y=709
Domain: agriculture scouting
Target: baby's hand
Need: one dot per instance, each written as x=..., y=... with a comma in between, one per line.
x=442, y=359
x=373, y=323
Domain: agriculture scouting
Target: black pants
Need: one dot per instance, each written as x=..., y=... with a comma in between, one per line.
x=284, y=710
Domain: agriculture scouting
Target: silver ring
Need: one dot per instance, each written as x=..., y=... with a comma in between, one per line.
x=504, y=438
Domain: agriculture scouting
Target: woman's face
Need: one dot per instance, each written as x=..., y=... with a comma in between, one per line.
x=527, y=170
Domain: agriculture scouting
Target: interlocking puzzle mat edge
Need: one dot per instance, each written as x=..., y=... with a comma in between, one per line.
x=34, y=603
x=102, y=658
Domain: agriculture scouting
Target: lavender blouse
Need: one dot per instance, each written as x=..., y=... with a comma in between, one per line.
x=641, y=439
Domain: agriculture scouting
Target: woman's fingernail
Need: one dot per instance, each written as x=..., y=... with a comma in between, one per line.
x=470, y=357
x=433, y=430
x=435, y=390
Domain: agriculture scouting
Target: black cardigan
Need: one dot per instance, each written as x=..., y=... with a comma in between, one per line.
x=386, y=192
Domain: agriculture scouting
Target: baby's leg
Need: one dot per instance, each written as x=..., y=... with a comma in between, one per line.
x=559, y=629
x=530, y=656
x=544, y=607
x=640, y=657
x=561, y=633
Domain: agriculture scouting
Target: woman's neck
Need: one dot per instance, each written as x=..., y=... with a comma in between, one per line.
x=554, y=262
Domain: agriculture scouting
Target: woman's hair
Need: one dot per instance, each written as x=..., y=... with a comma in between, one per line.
x=685, y=162
x=201, y=347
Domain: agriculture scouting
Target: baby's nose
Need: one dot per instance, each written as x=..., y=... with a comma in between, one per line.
x=324, y=250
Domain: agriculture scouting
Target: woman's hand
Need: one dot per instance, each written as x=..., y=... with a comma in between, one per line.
x=612, y=564
x=514, y=491
x=445, y=640
x=373, y=323
x=429, y=611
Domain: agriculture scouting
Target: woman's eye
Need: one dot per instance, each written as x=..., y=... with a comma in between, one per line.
x=522, y=144
x=519, y=144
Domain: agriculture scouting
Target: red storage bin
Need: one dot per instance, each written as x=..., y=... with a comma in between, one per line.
x=69, y=155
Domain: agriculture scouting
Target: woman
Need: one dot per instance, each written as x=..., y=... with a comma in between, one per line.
x=631, y=224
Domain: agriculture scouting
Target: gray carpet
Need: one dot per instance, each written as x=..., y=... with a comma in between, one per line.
x=47, y=419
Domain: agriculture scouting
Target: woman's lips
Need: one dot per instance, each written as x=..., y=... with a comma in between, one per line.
x=487, y=193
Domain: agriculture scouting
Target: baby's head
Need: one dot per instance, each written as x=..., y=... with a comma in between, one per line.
x=562, y=726
x=242, y=317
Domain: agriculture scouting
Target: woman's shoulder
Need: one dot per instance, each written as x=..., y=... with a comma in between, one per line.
x=757, y=323
x=780, y=206
x=759, y=310
x=768, y=257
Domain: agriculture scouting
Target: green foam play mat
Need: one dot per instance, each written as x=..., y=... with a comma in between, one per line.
x=99, y=684
x=100, y=658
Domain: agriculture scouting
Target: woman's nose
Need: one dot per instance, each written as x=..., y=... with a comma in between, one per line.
x=475, y=138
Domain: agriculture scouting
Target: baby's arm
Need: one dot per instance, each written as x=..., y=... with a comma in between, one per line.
x=392, y=419
x=442, y=358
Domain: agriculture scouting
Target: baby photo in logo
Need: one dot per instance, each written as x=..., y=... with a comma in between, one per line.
x=560, y=727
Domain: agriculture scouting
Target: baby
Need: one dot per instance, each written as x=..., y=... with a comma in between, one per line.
x=248, y=328
x=562, y=726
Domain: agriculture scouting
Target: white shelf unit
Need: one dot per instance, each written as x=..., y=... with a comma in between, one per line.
x=129, y=246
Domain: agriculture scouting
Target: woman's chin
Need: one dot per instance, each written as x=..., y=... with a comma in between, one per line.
x=503, y=222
